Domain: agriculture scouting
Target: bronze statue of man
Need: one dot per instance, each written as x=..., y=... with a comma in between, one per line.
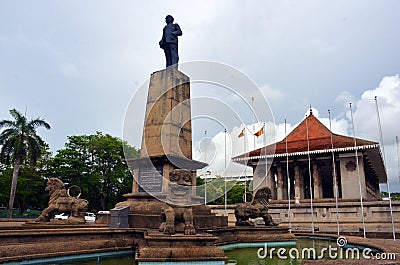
x=169, y=41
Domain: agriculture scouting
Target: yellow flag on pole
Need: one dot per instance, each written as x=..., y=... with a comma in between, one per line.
x=241, y=134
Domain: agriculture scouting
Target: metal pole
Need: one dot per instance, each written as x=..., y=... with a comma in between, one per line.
x=265, y=153
x=226, y=195
x=288, y=180
x=309, y=173
x=358, y=172
x=205, y=160
x=335, y=184
x=245, y=168
x=254, y=121
x=384, y=161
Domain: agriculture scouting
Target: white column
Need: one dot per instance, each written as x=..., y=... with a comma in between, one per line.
x=271, y=182
x=317, y=182
x=298, y=183
x=280, y=183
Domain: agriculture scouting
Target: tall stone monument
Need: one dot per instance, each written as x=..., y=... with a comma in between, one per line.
x=166, y=146
x=167, y=135
x=160, y=204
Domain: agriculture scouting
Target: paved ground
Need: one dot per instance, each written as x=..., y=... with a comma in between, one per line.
x=10, y=224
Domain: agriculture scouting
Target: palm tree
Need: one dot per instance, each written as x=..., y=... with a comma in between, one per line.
x=18, y=142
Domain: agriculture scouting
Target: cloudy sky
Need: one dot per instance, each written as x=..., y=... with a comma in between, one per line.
x=77, y=64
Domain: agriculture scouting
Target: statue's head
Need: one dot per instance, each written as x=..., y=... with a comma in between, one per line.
x=169, y=19
x=54, y=184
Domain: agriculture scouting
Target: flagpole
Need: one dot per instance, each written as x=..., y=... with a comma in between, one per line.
x=254, y=121
x=244, y=134
x=205, y=160
x=335, y=186
x=358, y=172
x=384, y=161
x=265, y=153
x=226, y=195
x=245, y=167
x=309, y=173
x=288, y=180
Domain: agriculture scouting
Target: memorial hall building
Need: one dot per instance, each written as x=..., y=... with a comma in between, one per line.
x=330, y=159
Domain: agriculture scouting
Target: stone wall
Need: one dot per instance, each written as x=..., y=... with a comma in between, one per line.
x=376, y=214
x=25, y=243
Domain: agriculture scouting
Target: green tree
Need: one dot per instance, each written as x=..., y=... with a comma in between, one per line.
x=215, y=190
x=96, y=164
x=19, y=142
x=235, y=194
x=395, y=196
x=30, y=192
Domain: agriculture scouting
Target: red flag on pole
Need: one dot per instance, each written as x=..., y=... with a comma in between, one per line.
x=260, y=132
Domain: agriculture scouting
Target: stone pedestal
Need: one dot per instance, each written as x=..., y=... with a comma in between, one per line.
x=167, y=128
x=159, y=248
x=146, y=213
x=167, y=133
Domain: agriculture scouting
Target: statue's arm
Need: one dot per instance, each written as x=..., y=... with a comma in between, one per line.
x=161, y=42
x=178, y=31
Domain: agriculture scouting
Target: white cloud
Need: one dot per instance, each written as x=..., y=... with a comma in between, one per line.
x=344, y=98
x=271, y=93
x=366, y=120
x=365, y=113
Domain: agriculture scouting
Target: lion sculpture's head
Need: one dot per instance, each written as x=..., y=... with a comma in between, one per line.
x=180, y=186
x=262, y=196
x=54, y=184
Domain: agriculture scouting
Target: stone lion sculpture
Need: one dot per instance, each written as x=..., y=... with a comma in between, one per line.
x=258, y=207
x=177, y=215
x=61, y=202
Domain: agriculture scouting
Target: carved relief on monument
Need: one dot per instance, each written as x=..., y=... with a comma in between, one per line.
x=177, y=215
x=351, y=166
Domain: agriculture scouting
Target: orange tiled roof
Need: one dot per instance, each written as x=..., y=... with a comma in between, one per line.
x=319, y=138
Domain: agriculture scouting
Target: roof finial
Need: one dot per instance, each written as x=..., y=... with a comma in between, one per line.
x=310, y=110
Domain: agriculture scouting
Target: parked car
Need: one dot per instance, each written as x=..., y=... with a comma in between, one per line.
x=62, y=216
x=90, y=217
